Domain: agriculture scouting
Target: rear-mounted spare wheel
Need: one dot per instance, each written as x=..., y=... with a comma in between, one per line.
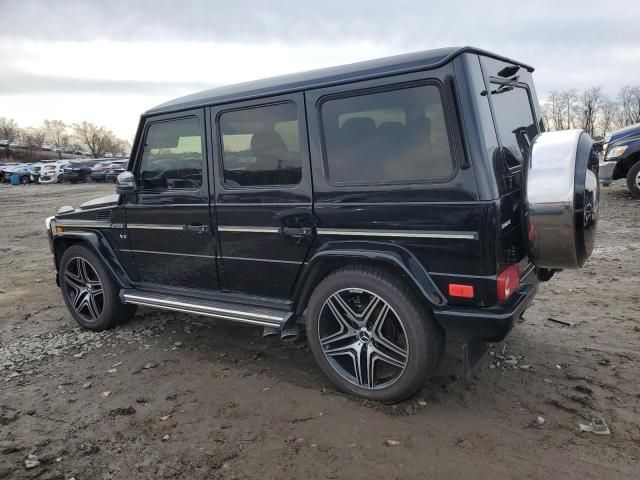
x=561, y=197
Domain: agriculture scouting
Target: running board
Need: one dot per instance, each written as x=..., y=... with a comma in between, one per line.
x=267, y=317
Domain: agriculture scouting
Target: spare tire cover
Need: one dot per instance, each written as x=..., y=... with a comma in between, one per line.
x=561, y=196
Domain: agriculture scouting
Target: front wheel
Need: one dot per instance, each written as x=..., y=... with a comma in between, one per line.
x=370, y=334
x=89, y=291
x=633, y=179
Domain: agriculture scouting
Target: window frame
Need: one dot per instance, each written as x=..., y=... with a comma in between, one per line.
x=141, y=150
x=302, y=132
x=381, y=89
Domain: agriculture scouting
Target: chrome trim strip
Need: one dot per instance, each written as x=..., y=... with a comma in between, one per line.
x=229, y=314
x=154, y=226
x=270, y=260
x=168, y=253
x=238, y=229
x=399, y=233
x=83, y=223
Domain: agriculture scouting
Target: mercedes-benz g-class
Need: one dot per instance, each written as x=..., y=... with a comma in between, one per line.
x=385, y=207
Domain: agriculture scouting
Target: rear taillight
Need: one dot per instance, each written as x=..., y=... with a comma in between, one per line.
x=508, y=282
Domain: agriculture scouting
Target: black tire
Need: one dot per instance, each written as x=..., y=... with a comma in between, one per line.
x=24, y=180
x=422, y=336
x=633, y=179
x=113, y=311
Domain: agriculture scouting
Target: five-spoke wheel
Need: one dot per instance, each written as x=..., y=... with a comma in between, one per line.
x=363, y=338
x=84, y=289
x=371, y=334
x=89, y=290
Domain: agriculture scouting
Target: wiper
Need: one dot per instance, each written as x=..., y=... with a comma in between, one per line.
x=500, y=89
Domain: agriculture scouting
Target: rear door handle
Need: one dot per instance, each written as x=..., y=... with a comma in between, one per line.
x=196, y=228
x=297, y=231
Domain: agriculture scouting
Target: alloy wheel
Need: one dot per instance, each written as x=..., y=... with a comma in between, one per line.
x=363, y=338
x=84, y=289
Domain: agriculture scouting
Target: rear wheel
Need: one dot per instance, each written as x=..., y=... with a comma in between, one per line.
x=89, y=291
x=370, y=334
x=633, y=179
x=25, y=180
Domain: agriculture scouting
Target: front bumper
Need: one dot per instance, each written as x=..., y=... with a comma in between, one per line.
x=487, y=324
x=605, y=171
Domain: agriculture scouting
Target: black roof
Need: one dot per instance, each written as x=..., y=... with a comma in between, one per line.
x=408, y=62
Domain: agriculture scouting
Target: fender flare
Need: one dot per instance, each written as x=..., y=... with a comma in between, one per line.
x=330, y=255
x=97, y=242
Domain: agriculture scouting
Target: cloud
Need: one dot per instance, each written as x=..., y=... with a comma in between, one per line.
x=17, y=82
x=166, y=48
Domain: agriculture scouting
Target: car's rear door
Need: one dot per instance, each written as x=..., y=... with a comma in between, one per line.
x=263, y=196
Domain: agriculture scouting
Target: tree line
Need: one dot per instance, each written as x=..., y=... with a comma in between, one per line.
x=592, y=110
x=64, y=138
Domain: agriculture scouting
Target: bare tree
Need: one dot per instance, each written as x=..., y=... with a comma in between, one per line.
x=33, y=138
x=97, y=139
x=629, y=98
x=567, y=100
x=588, y=107
x=8, y=129
x=608, y=116
x=553, y=112
x=57, y=135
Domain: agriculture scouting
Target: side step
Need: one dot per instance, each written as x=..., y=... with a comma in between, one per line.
x=267, y=317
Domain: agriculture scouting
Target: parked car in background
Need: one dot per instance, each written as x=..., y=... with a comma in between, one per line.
x=116, y=169
x=52, y=172
x=26, y=173
x=620, y=158
x=100, y=169
x=77, y=172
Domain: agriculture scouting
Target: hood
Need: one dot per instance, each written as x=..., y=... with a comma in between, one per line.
x=106, y=201
x=631, y=130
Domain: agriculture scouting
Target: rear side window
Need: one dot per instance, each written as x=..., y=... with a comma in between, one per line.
x=172, y=156
x=514, y=122
x=261, y=146
x=392, y=136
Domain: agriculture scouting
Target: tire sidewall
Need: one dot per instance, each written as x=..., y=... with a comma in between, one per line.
x=631, y=179
x=419, y=343
x=110, y=293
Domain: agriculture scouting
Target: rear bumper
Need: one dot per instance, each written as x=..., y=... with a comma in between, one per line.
x=605, y=172
x=488, y=324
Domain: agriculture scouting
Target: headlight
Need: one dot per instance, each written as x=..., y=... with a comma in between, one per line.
x=616, y=151
x=47, y=222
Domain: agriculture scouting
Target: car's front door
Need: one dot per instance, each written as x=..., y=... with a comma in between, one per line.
x=168, y=219
x=263, y=198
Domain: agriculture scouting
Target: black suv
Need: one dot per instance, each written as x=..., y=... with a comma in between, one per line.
x=383, y=206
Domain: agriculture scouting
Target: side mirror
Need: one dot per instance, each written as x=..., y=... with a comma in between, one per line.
x=125, y=183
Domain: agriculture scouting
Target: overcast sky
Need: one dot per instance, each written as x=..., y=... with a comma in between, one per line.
x=107, y=61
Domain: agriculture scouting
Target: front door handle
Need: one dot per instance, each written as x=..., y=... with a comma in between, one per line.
x=297, y=231
x=196, y=228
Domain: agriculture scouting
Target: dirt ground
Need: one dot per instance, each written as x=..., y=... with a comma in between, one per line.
x=193, y=398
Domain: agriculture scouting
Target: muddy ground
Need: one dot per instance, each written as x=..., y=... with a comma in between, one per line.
x=193, y=398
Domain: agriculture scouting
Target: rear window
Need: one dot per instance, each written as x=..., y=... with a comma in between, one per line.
x=514, y=120
x=397, y=136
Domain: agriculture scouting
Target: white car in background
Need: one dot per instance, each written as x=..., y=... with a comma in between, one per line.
x=51, y=172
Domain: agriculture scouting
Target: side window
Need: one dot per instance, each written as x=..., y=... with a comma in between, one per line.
x=172, y=156
x=261, y=146
x=514, y=122
x=393, y=136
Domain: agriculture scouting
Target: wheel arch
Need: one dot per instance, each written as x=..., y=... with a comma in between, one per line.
x=394, y=258
x=98, y=244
